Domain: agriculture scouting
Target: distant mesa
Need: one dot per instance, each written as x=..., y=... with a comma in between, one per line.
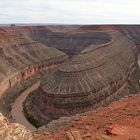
x=13, y=25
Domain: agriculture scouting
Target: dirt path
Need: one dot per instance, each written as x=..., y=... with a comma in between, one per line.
x=17, y=108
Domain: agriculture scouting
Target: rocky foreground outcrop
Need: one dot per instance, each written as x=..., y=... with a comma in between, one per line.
x=118, y=121
x=13, y=131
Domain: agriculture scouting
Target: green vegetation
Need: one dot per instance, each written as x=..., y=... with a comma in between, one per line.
x=34, y=122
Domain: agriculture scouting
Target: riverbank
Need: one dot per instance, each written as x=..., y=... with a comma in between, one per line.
x=17, y=108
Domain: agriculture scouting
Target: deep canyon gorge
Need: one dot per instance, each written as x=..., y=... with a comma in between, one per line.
x=57, y=75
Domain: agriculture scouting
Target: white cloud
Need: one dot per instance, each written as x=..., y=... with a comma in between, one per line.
x=70, y=11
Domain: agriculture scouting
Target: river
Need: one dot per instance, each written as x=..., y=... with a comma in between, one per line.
x=17, y=108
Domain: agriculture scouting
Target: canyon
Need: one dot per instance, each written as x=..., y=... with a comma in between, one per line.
x=88, y=80
x=80, y=69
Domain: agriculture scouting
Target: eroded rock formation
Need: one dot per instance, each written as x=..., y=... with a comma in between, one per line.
x=130, y=31
x=21, y=57
x=100, y=70
x=88, y=80
x=13, y=131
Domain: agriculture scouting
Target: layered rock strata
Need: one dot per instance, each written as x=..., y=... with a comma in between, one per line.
x=100, y=72
x=69, y=42
x=118, y=121
x=88, y=80
x=21, y=57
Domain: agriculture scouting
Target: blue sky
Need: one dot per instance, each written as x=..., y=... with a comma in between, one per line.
x=70, y=11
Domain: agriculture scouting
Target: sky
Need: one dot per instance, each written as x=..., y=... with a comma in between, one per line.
x=70, y=11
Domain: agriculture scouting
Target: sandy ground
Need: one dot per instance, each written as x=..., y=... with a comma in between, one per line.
x=17, y=108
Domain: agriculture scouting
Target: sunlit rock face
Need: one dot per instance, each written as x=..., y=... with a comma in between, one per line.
x=13, y=131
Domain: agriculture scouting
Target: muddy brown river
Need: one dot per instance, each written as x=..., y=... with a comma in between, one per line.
x=17, y=108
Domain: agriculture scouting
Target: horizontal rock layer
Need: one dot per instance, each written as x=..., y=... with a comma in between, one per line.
x=21, y=57
x=88, y=80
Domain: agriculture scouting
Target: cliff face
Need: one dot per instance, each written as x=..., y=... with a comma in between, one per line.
x=91, y=79
x=130, y=31
x=67, y=38
x=117, y=121
x=69, y=42
x=21, y=57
